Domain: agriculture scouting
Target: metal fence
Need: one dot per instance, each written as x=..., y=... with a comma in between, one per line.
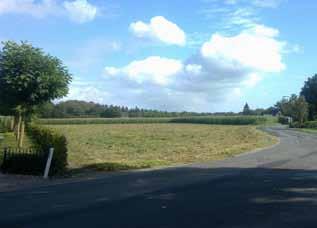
x=23, y=161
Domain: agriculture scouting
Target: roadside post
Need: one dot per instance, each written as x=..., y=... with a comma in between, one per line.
x=48, y=163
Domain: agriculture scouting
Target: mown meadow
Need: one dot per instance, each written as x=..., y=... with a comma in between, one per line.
x=118, y=145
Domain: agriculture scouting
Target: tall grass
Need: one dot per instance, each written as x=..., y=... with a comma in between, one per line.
x=217, y=120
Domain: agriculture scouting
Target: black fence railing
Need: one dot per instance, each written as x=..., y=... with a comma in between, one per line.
x=23, y=161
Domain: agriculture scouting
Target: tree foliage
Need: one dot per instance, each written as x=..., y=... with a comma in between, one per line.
x=295, y=107
x=29, y=78
x=309, y=91
x=246, y=110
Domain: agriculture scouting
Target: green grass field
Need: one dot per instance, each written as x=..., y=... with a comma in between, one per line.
x=132, y=146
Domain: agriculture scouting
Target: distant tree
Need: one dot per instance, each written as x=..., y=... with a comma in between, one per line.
x=29, y=78
x=246, y=110
x=45, y=110
x=295, y=107
x=258, y=112
x=271, y=111
x=111, y=112
x=309, y=91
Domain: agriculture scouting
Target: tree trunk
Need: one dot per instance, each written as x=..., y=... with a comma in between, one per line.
x=15, y=125
x=21, y=138
x=18, y=126
x=12, y=124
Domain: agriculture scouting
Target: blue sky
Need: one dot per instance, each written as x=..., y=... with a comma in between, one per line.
x=195, y=55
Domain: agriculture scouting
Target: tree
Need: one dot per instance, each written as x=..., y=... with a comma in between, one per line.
x=295, y=107
x=246, y=110
x=300, y=110
x=111, y=112
x=29, y=78
x=309, y=91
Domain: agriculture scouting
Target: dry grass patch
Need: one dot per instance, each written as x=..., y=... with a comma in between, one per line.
x=129, y=146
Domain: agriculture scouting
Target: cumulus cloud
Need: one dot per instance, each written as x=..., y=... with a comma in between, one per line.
x=155, y=69
x=255, y=48
x=220, y=71
x=159, y=29
x=77, y=10
x=80, y=10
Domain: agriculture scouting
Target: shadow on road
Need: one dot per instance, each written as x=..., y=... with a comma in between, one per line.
x=192, y=197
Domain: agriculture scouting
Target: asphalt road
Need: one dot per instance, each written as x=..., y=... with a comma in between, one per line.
x=276, y=187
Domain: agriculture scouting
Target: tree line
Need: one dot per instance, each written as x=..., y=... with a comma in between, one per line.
x=82, y=109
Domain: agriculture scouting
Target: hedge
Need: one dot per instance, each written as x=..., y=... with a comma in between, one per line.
x=310, y=124
x=283, y=120
x=45, y=138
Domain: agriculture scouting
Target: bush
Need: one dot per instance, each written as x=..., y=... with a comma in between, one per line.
x=283, y=120
x=310, y=124
x=5, y=124
x=295, y=124
x=45, y=138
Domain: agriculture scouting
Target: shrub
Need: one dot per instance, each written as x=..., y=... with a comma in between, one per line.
x=5, y=124
x=310, y=124
x=295, y=124
x=283, y=120
x=45, y=138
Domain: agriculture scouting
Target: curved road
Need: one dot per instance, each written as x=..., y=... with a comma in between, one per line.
x=275, y=187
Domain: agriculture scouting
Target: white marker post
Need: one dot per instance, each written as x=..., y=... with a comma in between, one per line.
x=48, y=163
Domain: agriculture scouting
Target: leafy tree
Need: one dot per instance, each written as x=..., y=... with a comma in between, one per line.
x=29, y=78
x=246, y=110
x=309, y=91
x=295, y=107
x=111, y=112
x=301, y=110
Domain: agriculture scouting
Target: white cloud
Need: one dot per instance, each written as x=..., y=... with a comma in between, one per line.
x=77, y=10
x=160, y=29
x=233, y=15
x=193, y=69
x=255, y=48
x=154, y=69
x=252, y=80
x=217, y=75
x=37, y=9
x=267, y=3
x=80, y=11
